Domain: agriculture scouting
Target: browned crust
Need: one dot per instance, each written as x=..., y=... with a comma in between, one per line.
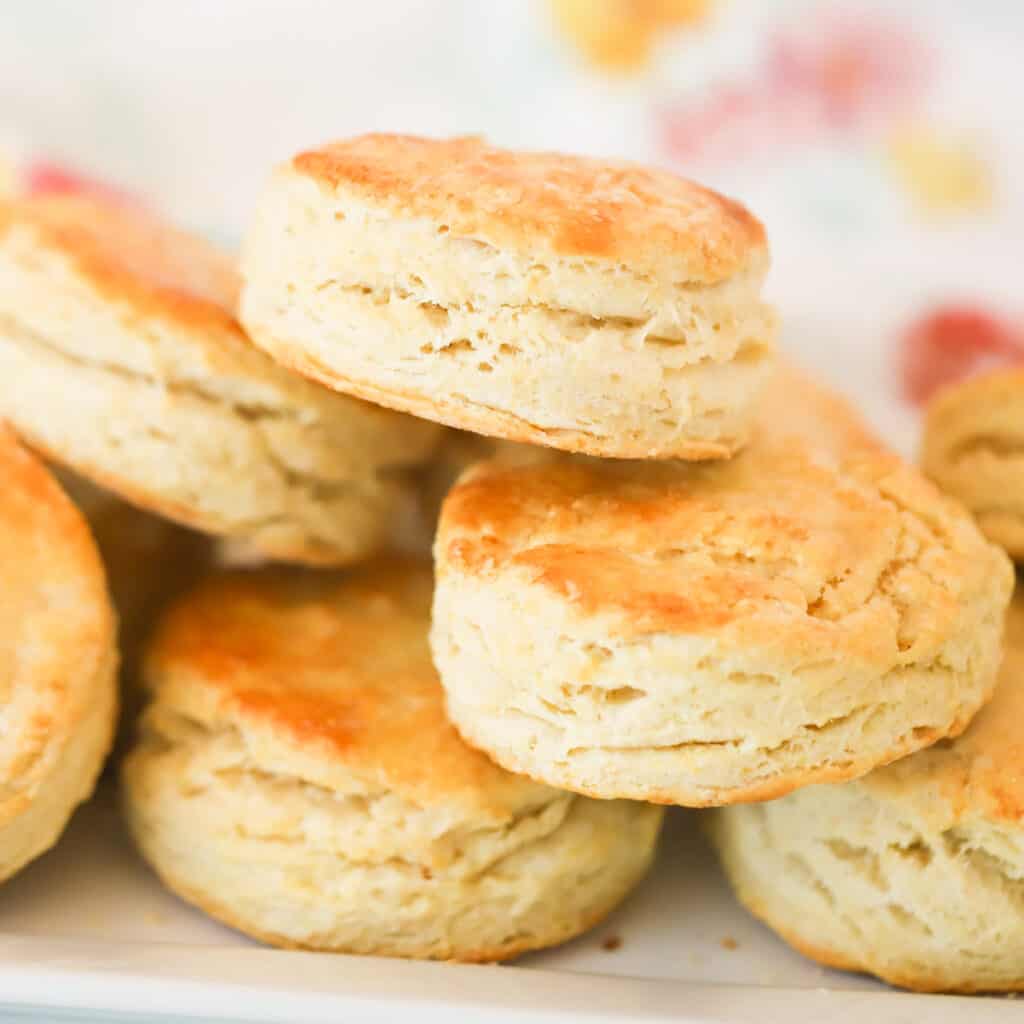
x=334, y=666
x=133, y=259
x=571, y=205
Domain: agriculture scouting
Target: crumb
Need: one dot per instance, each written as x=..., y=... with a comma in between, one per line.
x=612, y=943
x=730, y=943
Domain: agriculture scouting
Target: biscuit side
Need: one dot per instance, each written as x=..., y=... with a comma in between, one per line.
x=866, y=884
x=517, y=346
x=360, y=869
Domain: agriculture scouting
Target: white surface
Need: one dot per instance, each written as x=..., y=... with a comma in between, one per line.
x=88, y=927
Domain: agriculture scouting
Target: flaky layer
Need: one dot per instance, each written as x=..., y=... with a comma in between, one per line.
x=973, y=448
x=363, y=870
x=701, y=635
x=525, y=344
x=157, y=393
x=866, y=884
x=685, y=719
x=343, y=241
x=220, y=468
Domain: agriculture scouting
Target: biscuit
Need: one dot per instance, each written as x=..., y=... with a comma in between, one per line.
x=58, y=659
x=707, y=633
x=973, y=448
x=132, y=370
x=580, y=304
x=914, y=873
x=296, y=778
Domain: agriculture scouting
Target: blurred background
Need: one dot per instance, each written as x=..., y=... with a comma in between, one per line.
x=881, y=143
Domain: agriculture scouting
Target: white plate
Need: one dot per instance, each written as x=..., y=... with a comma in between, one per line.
x=87, y=928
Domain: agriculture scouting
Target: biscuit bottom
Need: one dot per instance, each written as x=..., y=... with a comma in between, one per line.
x=862, y=883
x=356, y=870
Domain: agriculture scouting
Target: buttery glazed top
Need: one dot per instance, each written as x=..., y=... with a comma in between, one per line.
x=56, y=623
x=814, y=539
x=572, y=206
x=331, y=673
x=980, y=775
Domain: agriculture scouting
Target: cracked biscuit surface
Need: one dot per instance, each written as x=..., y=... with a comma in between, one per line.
x=580, y=304
x=131, y=369
x=58, y=659
x=973, y=448
x=296, y=777
x=914, y=873
x=710, y=633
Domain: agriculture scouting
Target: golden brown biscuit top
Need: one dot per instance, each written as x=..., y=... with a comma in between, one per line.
x=56, y=624
x=979, y=775
x=131, y=257
x=573, y=206
x=337, y=668
x=815, y=538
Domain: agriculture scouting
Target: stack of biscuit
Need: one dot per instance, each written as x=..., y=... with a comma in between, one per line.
x=667, y=569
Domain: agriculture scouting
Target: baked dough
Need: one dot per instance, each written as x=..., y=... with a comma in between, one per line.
x=703, y=634
x=582, y=304
x=296, y=777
